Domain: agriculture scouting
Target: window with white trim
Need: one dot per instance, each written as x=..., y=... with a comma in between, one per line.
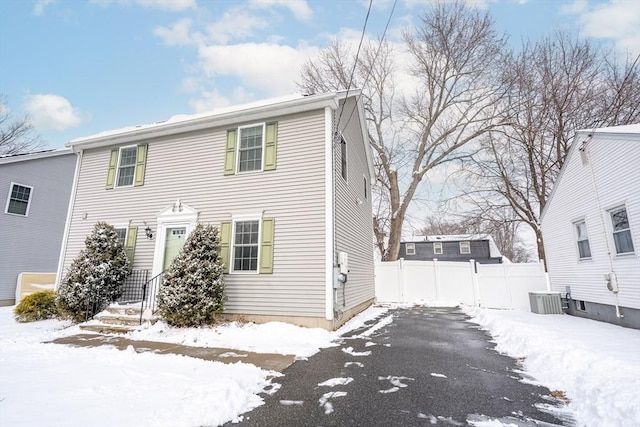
x=126, y=166
x=343, y=158
x=621, y=231
x=250, y=146
x=246, y=242
x=437, y=248
x=410, y=249
x=582, y=239
x=122, y=234
x=465, y=247
x=19, y=198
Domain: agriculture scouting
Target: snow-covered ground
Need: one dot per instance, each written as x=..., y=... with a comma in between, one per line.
x=596, y=365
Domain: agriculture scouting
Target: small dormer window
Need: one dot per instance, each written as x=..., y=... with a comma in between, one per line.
x=465, y=247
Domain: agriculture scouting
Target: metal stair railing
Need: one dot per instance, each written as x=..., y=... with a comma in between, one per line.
x=149, y=293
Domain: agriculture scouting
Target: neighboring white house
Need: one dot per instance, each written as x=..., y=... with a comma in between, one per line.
x=34, y=197
x=287, y=181
x=591, y=226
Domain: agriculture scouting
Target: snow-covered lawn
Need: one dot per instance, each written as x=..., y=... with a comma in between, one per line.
x=596, y=365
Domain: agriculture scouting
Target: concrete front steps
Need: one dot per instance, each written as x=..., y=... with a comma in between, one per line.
x=118, y=318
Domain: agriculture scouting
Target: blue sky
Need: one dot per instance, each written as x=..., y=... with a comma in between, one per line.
x=81, y=67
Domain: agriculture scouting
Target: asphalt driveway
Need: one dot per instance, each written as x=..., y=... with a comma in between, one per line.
x=429, y=366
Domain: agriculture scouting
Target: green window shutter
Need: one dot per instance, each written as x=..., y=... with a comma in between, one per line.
x=270, y=146
x=113, y=164
x=230, y=153
x=266, y=246
x=225, y=243
x=141, y=165
x=130, y=244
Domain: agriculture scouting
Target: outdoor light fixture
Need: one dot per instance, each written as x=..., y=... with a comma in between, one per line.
x=148, y=231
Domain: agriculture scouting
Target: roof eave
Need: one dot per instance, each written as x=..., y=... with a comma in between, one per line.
x=308, y=103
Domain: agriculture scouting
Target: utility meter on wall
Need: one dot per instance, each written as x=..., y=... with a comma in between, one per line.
x=343, y=262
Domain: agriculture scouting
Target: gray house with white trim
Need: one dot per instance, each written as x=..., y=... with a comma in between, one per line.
x=287, y=180
x=34, y=192
x=591, y=226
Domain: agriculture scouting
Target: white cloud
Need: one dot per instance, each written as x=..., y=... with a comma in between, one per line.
x=168, y=5
x=577, y=6
x=235, y=24
x=299, y=8
x=213, y=99
x=49, y=111
x=270, y=68
x=178, y=34
x=40, y=6
x=615, y=20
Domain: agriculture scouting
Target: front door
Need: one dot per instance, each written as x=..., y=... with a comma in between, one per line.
x=173, y=243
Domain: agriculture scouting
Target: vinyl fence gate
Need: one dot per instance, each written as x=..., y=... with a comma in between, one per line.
x=470, y=283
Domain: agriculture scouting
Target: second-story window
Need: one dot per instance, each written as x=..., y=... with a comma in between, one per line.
x=465, y=247
x=126, y=166
x=250, y=148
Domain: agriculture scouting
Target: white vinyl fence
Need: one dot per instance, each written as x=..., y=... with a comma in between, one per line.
x=470, y=283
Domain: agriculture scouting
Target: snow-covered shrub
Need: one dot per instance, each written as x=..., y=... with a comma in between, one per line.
x=39, y=305
x=95, y=276
x=192, y=290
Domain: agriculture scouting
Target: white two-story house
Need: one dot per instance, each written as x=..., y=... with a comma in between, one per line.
x=286, y=180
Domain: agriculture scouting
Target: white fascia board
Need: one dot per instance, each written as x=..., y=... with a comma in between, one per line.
x=200, y=122
x=33, y=156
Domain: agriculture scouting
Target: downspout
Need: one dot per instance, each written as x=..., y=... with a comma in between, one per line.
x=584, y=148
x=67, y=226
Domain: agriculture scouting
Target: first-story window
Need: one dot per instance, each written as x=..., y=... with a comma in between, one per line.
x=246, y=239
x=250, y=148
x=126, y=166
x=437, y=248
x=465, y=247
x=18, y=202
x=621, y=231
x=584, y=250
x=122, y=234
x=410, y=249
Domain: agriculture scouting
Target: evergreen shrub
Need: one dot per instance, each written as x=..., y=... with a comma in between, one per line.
x=192, y=290
x=95, y=276
x=39, y=305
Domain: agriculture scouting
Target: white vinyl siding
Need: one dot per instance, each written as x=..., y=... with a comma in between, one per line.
x=190, y=167
x=615, y=161
x=353, y=223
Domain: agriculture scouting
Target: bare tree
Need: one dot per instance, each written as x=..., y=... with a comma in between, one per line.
x=16, y=135
x=454, y=100
x=558, y=86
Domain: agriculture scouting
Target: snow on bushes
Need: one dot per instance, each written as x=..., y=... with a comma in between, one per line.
x=95, y=276
x=192, y=290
